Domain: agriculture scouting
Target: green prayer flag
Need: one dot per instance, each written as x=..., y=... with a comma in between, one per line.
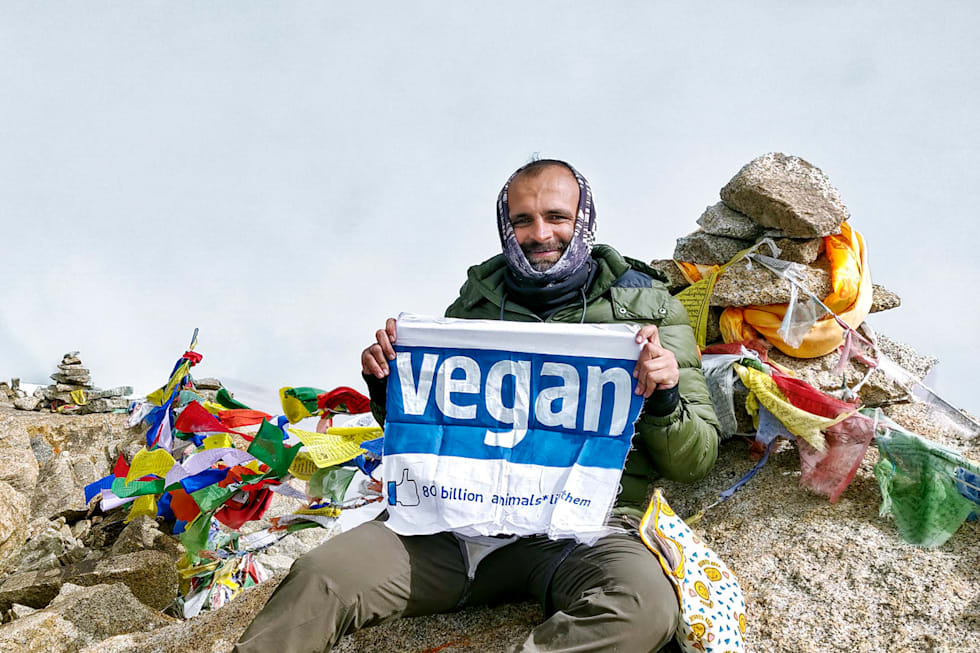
x=330, y=483
x=268, y=447
x=211, y=497
x=125, y=490
x=225, y=399
x=195, y=536
x=918, y=487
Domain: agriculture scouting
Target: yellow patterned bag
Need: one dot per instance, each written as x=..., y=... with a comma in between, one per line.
x=712, y=616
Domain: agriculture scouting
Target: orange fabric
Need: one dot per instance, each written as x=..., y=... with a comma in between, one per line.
x=183, y=506
x=237, y=417
x=850, y=299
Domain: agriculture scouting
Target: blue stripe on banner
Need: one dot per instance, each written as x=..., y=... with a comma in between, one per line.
x=539, y=447
x=572, y=409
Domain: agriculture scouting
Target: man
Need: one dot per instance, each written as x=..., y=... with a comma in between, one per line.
x=612, y=596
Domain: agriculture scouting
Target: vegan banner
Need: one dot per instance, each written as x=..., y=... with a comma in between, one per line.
x=507, y=427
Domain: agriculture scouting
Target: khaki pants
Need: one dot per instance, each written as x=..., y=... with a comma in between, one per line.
x=612, y=596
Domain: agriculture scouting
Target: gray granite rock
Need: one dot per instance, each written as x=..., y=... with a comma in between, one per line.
x=143, y=534
x=799, y=250
x=880, y=390
x=77, y=381
x=719, y=220
x=742, y=285
x=81, y=616
x=702, y=247
x=17, y=611
x=207, y=383
x=884, y=299
x=60, y=493
x=49, y=544
x=14, y=512
x=786, y=193
x=27, y=403
x=150, y=575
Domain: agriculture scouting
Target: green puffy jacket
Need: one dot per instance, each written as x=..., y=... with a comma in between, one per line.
x=681, y=446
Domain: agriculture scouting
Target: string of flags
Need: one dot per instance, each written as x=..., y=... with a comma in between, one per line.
x=928, y=489
x=191, y=474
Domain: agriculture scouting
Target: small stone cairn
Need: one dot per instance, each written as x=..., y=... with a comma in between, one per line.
x=791, y=201
x=71, y=392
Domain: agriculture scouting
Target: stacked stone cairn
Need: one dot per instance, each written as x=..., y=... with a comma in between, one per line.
x=71, y=392
x=793, y=202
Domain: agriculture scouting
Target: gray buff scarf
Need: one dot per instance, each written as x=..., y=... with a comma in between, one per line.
x=575, y=257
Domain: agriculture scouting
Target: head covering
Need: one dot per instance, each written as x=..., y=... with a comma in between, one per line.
x=575, y=257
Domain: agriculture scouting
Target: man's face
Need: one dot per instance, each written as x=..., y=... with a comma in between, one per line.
x=542, y=212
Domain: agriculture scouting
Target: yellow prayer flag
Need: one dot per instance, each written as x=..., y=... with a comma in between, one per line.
x=328, y=449
x=157, y=462
x=303, y=466
x=763, y=389
x=78, y=397
x=144, y=505
x=218, y=441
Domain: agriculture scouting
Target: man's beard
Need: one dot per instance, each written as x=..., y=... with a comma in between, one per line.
x=536, y=247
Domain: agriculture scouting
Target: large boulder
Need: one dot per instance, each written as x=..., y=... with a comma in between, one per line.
x=786, y=193
x=80, y=616
x=719, y=220
x=14, y=511
x=150, y=575
x=743, y=284
x=214, y=631
x=702, y=247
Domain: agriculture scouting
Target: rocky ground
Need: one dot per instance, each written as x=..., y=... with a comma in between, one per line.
x=817, y=576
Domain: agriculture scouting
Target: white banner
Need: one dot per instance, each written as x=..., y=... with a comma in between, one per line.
x=507, y=427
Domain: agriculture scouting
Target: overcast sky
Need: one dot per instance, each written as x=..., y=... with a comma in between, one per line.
x=286, y=175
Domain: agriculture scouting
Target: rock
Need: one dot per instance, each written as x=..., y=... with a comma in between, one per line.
x=80, y=616
x=207, y=383
x=150, y=575
x=807, y=567
x=473, y=630
x=214, y=631
x=742, y=286
x=27, y=403
x=60, y=493
x=79, y=381
x=14, y=511
x=104, y=405
x=143, y=534
x=884, y=299
x=74, y=370
x=701, y=247
x=49, y=545
x=39, y=632
x=719, y=220
x=879, y=390
x=17, y=611
x=786, y=193
x=799, y=250
x=120, y=391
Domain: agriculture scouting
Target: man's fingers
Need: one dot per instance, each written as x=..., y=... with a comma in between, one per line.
x=391, y=329
x=648, y=333
x=386, y=349
x=373, y=362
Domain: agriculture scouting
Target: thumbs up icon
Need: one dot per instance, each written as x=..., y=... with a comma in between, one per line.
x=405, y=492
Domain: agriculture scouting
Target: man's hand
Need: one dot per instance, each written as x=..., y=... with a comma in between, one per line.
x=374, y=359
x=656, y=368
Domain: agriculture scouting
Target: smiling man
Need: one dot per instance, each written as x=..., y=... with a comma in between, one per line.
x=611, y=596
